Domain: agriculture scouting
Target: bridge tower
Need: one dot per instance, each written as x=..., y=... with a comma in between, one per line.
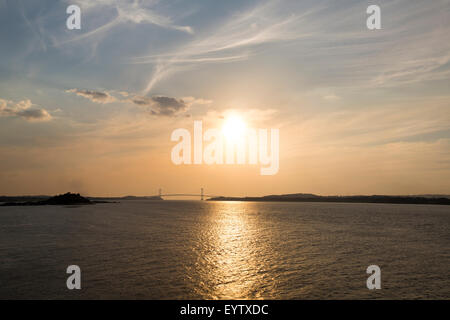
x=201, y=194
x=160, y=192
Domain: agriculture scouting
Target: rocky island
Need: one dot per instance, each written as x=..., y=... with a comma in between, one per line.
x=62, y=199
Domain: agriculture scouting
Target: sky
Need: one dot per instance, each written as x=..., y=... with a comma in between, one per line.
x=359, y=111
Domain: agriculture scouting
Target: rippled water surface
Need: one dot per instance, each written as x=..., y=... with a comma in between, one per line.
x=225, y=250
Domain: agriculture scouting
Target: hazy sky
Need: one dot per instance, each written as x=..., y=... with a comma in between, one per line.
x=92, y=110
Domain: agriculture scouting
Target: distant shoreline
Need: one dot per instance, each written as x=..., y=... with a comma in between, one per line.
x=42, y=199
x=297, y=197
x=62, y=199
x=341, y=199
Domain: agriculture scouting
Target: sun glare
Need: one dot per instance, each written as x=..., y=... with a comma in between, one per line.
x=234, y=128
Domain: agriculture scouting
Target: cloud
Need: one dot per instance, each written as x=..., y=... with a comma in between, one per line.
x=416, y=120
x=192, y=100
x=253, y=117
x=23, y=109
x=334, y=40
x=138, y=15
x=161, y=105
x=125, y=12
x=331, y=97
x=233, y=41
x=94, y=96
x=158, y=105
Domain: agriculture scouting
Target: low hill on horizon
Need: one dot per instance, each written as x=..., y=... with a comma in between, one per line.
x=302, y=197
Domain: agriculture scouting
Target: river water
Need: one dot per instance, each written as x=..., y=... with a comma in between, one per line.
x=225, y=250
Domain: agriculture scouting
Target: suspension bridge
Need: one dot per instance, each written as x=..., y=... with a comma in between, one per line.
x=202, y=195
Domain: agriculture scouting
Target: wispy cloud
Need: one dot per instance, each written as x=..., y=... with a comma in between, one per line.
x=407, y=50
x=127, y=11
x=412, y=120
x=331, y=97
x=230, y=42
x=94, y=96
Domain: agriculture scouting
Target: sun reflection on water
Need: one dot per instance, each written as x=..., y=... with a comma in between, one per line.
x=234, y=264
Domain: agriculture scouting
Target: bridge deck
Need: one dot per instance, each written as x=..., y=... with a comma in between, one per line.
x=186, y=195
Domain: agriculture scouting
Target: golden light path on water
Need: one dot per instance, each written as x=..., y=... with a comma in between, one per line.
x=234, y=265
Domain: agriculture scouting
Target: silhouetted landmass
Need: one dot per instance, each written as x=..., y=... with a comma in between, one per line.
x=128, y=198
x=62, y=199
x=302, y=197
x=41, y=200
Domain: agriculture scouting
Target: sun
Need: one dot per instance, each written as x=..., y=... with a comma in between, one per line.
x=234, y=128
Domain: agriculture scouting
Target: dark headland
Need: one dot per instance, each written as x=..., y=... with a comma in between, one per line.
x=306, y=197
x=64, y=199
